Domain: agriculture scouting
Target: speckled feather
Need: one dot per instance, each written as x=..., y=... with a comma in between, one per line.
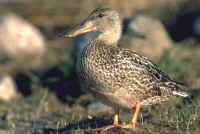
x=119, y=77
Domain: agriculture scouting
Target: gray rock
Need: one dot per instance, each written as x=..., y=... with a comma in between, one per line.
x=7, y=88
x=146, y=36
x=20, y=42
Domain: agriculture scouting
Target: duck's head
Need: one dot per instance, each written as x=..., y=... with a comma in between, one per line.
x=105, y=21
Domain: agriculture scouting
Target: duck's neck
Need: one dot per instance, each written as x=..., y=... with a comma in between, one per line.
x=110, y=37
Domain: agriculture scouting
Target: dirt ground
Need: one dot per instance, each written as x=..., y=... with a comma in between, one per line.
x=50, y=99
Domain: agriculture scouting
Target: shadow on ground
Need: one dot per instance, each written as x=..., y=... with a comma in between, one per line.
x=93, y=125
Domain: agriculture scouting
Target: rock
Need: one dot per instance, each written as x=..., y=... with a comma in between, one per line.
x=20, y=41
x=146, y=36
x=97, y=108
x=19, y=37
x=7, y=88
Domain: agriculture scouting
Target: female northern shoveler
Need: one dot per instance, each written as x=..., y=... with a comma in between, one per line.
x=119, y=77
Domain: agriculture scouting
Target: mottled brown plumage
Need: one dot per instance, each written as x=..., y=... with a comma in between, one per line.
x=119, y=77
x=122, y=76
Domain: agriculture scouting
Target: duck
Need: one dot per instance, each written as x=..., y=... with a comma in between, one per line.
x=119, y=77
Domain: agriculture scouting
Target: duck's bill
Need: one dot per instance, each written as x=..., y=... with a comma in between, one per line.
x=81, y=29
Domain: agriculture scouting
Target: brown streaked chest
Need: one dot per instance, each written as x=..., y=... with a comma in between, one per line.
x=95, y=66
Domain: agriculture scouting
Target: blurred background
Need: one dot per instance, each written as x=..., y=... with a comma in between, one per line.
x=39, y=90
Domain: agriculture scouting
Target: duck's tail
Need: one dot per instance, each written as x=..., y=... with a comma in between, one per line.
x=175, y=89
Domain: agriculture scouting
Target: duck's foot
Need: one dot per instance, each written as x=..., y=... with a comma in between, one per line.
x=131, y=125
x=121, y=126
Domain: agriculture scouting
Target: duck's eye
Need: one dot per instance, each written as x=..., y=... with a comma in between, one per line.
x=101, y=15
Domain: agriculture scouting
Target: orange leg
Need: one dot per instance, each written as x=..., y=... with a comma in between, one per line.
x=132, y=123
x=116, y=117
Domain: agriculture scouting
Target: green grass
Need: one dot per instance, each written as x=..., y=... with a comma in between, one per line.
x=174, y=67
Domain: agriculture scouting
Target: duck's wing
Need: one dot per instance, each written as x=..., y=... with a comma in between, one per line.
x=140, y=63
x=145, y=73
